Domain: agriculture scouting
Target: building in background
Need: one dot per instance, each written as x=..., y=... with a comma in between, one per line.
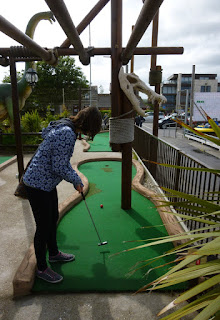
x=104, y=101
x=101, y=101
x=203, y=83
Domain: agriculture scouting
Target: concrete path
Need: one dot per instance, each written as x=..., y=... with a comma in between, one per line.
x=17, y=231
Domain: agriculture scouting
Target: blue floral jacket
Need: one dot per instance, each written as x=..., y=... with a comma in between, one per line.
x=51, y=163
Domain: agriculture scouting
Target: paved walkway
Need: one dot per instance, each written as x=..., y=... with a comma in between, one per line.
x=17, y=230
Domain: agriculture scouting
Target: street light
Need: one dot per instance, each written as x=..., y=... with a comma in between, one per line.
x=31, y=77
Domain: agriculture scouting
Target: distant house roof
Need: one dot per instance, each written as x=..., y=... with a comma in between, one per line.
x=197, y=75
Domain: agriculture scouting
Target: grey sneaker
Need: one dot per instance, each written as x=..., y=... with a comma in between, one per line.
x=62, y=257
x=49, y=275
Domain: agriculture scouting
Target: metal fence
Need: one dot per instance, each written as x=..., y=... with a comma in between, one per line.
x=201, y=184
x=30, y=141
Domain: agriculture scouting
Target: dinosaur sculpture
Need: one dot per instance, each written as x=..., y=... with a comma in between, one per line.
x=24, y=89
x=131, y=84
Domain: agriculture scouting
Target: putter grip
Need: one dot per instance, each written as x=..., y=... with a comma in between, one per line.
x=83, y=195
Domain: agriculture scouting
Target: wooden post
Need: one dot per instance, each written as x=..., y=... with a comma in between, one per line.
x=132, y=59
x=192, y=94
x=120, y=103
x=80, y=107
x=154, y=68
x=17, y=127
x=126, y=181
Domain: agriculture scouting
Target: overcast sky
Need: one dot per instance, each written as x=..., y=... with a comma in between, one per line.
x=192, y=24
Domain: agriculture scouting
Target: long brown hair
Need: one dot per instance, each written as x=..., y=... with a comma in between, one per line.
x=88, y=120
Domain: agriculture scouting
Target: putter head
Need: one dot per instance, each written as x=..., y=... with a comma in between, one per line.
x=103, y=243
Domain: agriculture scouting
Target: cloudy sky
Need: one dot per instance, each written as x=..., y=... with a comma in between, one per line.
x=192, y=24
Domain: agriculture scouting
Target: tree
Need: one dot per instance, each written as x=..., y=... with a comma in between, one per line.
x=7, y=79
x=52, y=80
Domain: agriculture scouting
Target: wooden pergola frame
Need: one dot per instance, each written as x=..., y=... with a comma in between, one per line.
x=31, y=51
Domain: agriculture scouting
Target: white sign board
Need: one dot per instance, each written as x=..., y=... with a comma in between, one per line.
x=210, y=103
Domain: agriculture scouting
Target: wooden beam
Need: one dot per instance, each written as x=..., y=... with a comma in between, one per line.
x=23, y=54
x=62, y=15
x=10, y=30
x=87, y=20
x=149, y=9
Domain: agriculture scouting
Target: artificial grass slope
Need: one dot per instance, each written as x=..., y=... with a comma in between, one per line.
x=100, y=143
x=97, y=268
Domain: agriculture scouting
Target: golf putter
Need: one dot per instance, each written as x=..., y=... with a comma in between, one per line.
x=102, y=243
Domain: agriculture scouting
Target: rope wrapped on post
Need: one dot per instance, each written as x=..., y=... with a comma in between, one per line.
x=121, y=130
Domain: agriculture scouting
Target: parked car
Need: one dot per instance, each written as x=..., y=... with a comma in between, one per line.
x=207, y=129
x=149, y=116
x=181, y=116
x=167, y=121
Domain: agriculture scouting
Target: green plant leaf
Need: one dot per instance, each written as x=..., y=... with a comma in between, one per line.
x=215, y=127
x=210, y=310
x=195, y=218
x=184, y=311
x=197, y=289
x=188, y=274
x=170, y=252
x=211, y=251
x=182, y=264
x=190, y=209
x=194, y=199
x=199, y=303
x=167, y=239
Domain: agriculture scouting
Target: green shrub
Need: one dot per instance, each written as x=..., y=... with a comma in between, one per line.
x=8, y=140
x=31, y=140
x=31, y=122
x=49, y=117
x=64, y=114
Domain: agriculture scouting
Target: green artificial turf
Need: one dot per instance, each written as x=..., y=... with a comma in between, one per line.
x=100, y=143
x=96, y=268
x=4, y=158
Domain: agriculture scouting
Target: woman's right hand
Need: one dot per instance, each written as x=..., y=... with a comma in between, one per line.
x=79, y=188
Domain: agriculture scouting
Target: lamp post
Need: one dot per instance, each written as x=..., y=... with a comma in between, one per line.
x=31, y=77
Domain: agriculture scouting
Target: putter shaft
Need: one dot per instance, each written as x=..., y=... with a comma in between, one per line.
x=101, y=243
